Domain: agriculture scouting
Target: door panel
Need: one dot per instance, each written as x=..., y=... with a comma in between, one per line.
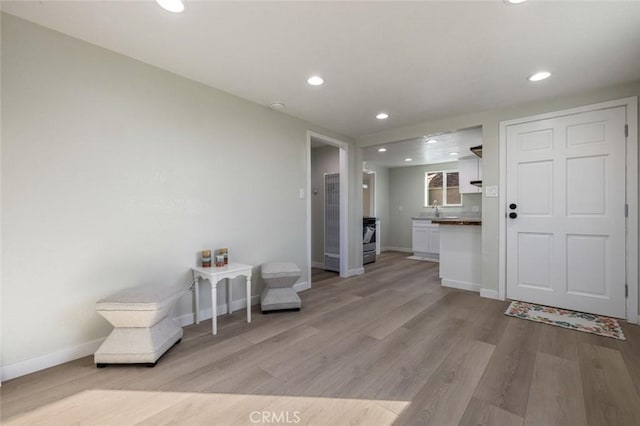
x=534, y=260
x=536, y=180
x=566, y=247
x=586, y=186
x=586, y=265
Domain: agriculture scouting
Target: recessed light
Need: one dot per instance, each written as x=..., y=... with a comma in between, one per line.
x=175, y=6
x=276, y=105
x=382, y=116
x=514, y=1
x=408, y=159
x=382, y=149
x=315, y=80
x=431, y=141
x=540, y=76
x=453, y=153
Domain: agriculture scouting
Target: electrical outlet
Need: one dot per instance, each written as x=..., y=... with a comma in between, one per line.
x=475, y=209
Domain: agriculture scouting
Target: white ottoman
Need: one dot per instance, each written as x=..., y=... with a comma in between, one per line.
x=278, y=293
x=143, y=332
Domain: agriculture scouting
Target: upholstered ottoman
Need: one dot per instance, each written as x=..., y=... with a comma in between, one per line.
x=143, y=331
x=278, y=293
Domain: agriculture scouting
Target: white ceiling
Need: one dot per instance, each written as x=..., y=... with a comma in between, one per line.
x=415, y=60
x=423, y=153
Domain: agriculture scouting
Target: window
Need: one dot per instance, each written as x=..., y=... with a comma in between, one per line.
x=442, y=187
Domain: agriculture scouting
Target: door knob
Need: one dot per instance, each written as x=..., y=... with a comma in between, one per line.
x=513, y=215
x=512, y=206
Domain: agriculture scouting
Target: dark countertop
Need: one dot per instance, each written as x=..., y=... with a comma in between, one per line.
x=457, y=221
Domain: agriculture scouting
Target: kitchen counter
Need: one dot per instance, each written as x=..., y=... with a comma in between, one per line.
x=451, y=220
x=457, y=221
x=461, y=255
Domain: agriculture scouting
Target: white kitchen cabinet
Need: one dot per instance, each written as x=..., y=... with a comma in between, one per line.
x=426, y=239
x=469, y=169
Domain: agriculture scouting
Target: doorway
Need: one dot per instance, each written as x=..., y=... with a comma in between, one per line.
x=570, y=181
x=316, y=205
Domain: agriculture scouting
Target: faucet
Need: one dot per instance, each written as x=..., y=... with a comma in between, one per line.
x=435, y=206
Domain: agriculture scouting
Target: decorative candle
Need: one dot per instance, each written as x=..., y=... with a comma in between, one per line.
x=219, y=261
x=224, y=252
x=206, y=258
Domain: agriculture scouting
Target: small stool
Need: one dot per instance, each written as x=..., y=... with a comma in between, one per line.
x=278, y=293
x=143, y=331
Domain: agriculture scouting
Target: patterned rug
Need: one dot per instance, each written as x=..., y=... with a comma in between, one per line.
x=589, y=323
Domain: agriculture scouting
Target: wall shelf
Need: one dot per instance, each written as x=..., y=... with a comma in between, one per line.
x=477, y=150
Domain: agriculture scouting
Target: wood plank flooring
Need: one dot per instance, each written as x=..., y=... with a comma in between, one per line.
x=388, y=347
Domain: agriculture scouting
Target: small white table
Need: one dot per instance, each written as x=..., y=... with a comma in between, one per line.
x=215, y=275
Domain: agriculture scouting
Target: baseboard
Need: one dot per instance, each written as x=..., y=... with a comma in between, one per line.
x=489, y=294
x=400, y=249
x=21, y=368
x=205, y=314
x=424, y=258
x=354, y=272
x=319, y=265
x=461, y=285
x=298, y=287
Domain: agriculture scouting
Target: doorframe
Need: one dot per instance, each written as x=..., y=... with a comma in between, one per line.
x=631, y=195
x=344, y=200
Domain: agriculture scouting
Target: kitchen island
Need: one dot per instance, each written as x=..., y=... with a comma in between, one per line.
x=460, y=252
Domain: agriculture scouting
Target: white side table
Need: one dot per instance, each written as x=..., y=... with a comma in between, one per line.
x=215, y=275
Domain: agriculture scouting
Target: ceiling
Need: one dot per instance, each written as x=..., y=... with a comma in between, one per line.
x=416, y=61
x=422, y=152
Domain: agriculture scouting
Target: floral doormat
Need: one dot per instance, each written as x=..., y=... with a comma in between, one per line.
x=589, y=323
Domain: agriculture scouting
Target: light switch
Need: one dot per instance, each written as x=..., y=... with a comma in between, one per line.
x=301, y=194
x=491, y=191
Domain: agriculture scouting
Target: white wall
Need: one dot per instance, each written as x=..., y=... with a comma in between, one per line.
x=116, y=173
x=324, y=160
x=406, y=199
x=490, y=122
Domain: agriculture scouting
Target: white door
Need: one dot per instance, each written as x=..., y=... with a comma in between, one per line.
x=566, y=211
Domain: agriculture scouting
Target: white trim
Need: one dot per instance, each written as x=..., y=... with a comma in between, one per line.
x=319, y=265
x=32, y=365
x=632, y=200
x=344, y=200
x=308, y=205
x=354, y=272
x=302, y=286
x=400, y=249
x=631, y=104
x=461, y=285
x=21, y=368
x=489, y=294
x=425, y=258
x=188, y=319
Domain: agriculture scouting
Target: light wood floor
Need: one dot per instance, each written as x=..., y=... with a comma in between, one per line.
x=388, y=347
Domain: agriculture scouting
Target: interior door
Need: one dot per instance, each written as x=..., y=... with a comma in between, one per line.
x=566, y=211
